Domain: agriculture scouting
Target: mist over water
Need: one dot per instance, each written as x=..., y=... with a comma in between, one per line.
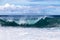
x=20, y=33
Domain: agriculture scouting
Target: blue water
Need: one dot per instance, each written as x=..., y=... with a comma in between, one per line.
x=30, y=33
x=30, y=20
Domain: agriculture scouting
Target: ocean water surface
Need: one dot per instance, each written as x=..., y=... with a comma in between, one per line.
x=20, y=27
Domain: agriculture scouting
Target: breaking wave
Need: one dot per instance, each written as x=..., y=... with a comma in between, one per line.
x=42, y=21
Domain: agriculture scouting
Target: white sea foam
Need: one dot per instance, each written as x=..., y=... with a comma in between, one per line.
x=11, y=33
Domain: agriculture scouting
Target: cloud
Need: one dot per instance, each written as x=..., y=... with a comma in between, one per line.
x=30, y=2
x=11, y=9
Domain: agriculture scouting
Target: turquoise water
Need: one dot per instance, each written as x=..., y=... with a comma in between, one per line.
x=39, y=28
x=30, y=21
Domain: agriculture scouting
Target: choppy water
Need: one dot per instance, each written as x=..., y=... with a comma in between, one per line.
x=30, y=20
x=19, y=33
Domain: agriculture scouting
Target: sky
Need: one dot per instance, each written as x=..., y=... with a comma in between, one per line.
x=29, y=7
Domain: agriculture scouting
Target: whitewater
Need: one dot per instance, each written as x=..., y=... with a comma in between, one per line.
x=20, y=33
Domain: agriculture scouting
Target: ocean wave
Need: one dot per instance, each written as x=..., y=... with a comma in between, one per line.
x=45, y=21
